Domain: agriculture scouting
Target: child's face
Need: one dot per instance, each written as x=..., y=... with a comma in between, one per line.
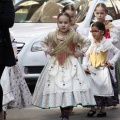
x=72, y=15
x=96, y=33
x=63, y=23
x=100, y=14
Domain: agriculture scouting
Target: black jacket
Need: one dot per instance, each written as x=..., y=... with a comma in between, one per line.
x=7, y=16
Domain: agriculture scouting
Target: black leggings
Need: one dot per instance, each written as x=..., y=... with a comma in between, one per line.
x=1, y=91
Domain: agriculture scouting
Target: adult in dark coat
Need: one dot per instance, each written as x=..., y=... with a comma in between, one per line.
x=7, y=16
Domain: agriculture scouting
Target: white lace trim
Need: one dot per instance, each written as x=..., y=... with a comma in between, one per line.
x=8, y=98
x=99, y=47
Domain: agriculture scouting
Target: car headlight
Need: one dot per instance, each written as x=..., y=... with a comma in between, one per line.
x=36, y=47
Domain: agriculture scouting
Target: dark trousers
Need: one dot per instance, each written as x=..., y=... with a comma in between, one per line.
x=1, y=91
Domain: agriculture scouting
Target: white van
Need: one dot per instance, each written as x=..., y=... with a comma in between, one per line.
x=36, y=18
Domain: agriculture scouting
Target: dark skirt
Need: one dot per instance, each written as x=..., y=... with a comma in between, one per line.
x=6, y=54
x=117, y=71
x=108, y=101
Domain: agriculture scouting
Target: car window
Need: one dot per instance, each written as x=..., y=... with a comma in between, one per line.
x=40, y=11
x=43, y=11
x=24, y=10
x=112, y=9
x=82, y=11
x=117, y=4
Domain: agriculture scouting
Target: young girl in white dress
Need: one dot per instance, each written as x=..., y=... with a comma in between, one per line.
x=62, y=82
x=70, y=9
x=111, y=36
x=98, y=68
x=16, y=93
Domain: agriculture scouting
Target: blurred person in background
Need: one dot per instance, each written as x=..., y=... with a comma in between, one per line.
x=16, y=93
x=7, y=58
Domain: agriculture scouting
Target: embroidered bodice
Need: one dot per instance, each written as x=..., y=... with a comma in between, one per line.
x=98, y=59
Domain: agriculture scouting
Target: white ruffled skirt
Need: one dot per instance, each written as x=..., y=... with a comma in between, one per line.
x=63, y=86
x=16, y=93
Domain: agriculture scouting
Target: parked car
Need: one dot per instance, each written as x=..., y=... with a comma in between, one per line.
x=35, y=19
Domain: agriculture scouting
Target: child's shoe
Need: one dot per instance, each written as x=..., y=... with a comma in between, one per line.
x=101, y=114
x=65, y=116
x=91, y=113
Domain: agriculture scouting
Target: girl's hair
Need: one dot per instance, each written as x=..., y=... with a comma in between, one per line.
x=64, y=14
x=68, y=7
x=99, y=25
x=101, y=5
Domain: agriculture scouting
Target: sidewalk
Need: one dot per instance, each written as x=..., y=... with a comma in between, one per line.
x=79, y=113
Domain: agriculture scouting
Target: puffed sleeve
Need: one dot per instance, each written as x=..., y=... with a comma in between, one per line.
x=46, y=43
x=8, y=14
x=114, y=34
x=86, y=61
x=83, y=41
x=116, y=52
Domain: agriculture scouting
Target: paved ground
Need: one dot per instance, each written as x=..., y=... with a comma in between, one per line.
x=33, y=113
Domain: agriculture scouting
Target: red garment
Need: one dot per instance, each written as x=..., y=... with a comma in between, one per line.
x=107, y=34
x=63, y=55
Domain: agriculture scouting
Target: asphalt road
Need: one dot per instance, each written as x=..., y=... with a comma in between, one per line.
x=79, y=113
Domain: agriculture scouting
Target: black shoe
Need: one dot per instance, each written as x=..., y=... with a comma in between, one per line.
x=101, y=114
x=5, y=115
x=65, y=116
x=91, y=113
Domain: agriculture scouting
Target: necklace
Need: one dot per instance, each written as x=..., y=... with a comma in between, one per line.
x=62, y=38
